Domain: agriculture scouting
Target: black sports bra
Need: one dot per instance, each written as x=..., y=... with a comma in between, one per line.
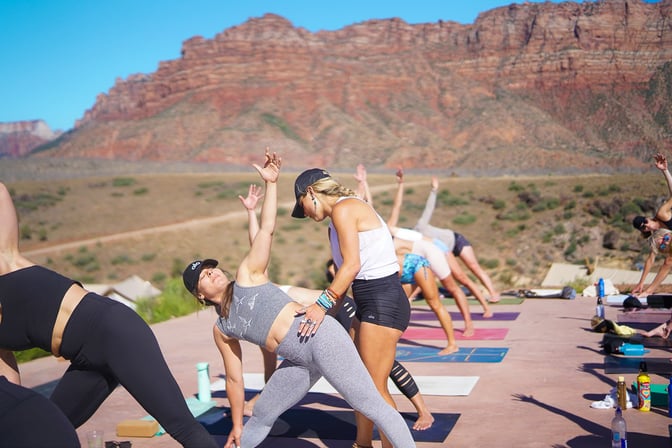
x=30, y=300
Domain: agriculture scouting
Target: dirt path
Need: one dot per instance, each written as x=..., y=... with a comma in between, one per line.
x=242, y=214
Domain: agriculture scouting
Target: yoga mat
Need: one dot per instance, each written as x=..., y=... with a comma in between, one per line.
x=502, y=301
x=618, y=364
x=428, y=385
x=455, y=315
x=195, y=406
x=465, y=354
x=646, y=315
x=328, y=425
x=433, y=333
x=651, y=342
x=618, y=299
x=472, y=301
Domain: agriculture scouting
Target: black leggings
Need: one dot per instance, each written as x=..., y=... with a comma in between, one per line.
x=28, y=420
x=109, y=344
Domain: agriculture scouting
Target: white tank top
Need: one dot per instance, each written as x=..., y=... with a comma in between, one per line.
x=376, y=250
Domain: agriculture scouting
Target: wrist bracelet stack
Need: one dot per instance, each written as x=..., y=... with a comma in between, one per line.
x=327, y=299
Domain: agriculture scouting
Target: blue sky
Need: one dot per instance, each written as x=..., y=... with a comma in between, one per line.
x=58, y=55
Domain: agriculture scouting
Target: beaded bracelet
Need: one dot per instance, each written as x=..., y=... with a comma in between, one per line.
x=333, y=294
x=324, y=302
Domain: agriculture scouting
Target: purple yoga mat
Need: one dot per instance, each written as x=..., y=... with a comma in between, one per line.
x=455, y=315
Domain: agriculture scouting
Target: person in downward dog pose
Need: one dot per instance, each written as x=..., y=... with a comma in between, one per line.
x=253, y=309
x=106, y=342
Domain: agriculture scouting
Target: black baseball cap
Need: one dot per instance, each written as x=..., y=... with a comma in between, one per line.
x=192, y=273
x=301, y=184
x=638, y=222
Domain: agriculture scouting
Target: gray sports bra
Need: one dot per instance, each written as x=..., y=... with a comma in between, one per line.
x=252, y=312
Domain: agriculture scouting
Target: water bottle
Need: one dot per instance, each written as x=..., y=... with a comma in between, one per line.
x=600, y=288
x=621, y=391
x=619, y=436
x=203, y=382
x=599, y=309
x=629, y=349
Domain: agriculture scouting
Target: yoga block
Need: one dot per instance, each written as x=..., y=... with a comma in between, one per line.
x=658, y=394
x=137, y=428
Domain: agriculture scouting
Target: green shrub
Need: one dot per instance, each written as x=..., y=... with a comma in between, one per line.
x=464, y=219
x=174, y=301
x=123, y=181
x=30, y=354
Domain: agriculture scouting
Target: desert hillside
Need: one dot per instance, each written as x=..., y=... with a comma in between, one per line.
x=527, y=89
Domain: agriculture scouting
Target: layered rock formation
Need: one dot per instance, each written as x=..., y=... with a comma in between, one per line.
x=21, y=137
x=527, y=87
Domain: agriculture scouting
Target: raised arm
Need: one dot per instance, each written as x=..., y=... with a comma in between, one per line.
x=661, y=164
x=254, y=193
x=429, y=205
x=363, y=190
x=398, y=200
x=252, y=270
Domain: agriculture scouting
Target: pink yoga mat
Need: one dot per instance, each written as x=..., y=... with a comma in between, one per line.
x=484, y=334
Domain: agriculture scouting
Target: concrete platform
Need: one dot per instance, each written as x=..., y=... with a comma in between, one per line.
x=539, y=395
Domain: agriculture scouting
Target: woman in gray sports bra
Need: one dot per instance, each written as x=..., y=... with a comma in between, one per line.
x=251, y=308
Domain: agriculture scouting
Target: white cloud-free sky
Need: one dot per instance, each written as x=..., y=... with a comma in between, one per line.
x=57, y=56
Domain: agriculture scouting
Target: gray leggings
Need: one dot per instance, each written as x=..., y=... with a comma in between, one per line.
x=330, y=353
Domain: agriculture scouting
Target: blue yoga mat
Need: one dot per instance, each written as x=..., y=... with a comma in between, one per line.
x=429, y=315
x=328, y=424
x=465, y=354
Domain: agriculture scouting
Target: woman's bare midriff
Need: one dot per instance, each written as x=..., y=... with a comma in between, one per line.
x=73, y=296
x=281, y=325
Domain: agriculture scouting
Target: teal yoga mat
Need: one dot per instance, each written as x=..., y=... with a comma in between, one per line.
x=465, y=354
x=328, y=425
x=196, y=407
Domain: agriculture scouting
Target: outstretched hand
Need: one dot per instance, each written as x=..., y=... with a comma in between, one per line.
x=435, y=183
x=254, y=193
x=360, y=175
x=661, y=161
x=525, y=398
x=400, y=175
x=271, y=169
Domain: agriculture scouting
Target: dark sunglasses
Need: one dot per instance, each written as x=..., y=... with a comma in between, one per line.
x=115, y=444
x=665, y=243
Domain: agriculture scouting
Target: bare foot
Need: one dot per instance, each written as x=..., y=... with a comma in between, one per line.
x=468, y=332
x=247, y=409
x=423, y=422
x=487, y=313
x=494, y=299
x=448, y=350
